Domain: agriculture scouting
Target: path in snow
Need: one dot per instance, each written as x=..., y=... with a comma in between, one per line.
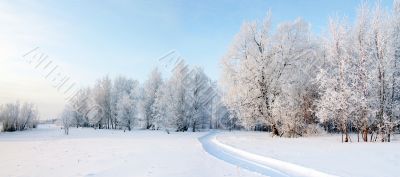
x=263, y=165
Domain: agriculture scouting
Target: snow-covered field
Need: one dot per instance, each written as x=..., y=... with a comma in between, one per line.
x=46, y=152
x=324, y=153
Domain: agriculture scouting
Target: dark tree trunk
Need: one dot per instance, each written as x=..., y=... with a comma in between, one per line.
x=194, y=127
x=346, y=137
x=365, y=134
x=275, y=131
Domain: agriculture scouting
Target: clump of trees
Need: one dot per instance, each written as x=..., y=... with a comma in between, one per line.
x=360, y=80
x=18, y=117
x=185, y=101
x=109, y=104
x=291, y=81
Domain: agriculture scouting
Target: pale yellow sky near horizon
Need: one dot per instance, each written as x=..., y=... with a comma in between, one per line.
x=20, y=31
x=19, y=81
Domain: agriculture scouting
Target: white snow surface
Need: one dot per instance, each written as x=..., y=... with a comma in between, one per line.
x=46, y=152
x=323, y=153
x=288, y=169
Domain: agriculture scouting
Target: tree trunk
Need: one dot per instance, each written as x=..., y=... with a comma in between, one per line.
x=194, y=127
x=346, y=139
x=365, y=134
x=275, y=131
x=342, y=137
x=372, y=135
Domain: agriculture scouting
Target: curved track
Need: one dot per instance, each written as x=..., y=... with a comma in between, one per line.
x=253, y=162
x=215, y=150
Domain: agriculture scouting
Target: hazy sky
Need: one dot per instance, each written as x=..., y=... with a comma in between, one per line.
x=88, y=39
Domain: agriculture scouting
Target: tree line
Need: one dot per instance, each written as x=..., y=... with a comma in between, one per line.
x=188, y=100
x=292, y=82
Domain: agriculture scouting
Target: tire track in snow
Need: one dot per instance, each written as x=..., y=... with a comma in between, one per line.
x=253, y=162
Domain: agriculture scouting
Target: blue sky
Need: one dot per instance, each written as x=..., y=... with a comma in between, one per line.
x=90, y=39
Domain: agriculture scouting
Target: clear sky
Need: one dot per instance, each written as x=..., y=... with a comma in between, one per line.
x=89, y=38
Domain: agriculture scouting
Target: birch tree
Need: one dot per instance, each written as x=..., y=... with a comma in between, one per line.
x=151, y=87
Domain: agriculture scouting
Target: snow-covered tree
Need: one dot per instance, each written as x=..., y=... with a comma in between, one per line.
x=260, y=66
x=127, y=108
x=178, y=108
x=102, y=98
x=243, y=77
x=198, y=98
x=335, y=101
x=160, y=108
x=393, y=108
x=17, y=117
x=67, y=119
x=151, y=87
x=80, y=104
x=122, y=86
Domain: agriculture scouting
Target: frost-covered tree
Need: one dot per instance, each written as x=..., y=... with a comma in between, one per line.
x=295, y=57
x=122, y=86
x=151, y=87
x=67, y=119
x=160, y=108
x=102, y=98
x=198, y=98
x=80, y=104
x=17, y=117
x=335, y=82
x=177, y=98
x=262, y=66
x=28, y=116
x=380, y=56
x=393, y=108
x=127, y=108
x=243, y=74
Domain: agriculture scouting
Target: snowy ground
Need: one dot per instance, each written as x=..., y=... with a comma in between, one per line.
x=86, y=152
x=46, y=152
x=324, y=153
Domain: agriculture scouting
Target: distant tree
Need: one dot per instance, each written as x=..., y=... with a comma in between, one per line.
x=178, y=108
x=18, y=118
x=127, y=109
x=80, y=103
x=198, y=98
x=151, y=87
x=102, y=97
x=160, y=108
x=122, y=87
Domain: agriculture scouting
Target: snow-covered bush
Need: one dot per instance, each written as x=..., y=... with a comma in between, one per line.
x=17, y=117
